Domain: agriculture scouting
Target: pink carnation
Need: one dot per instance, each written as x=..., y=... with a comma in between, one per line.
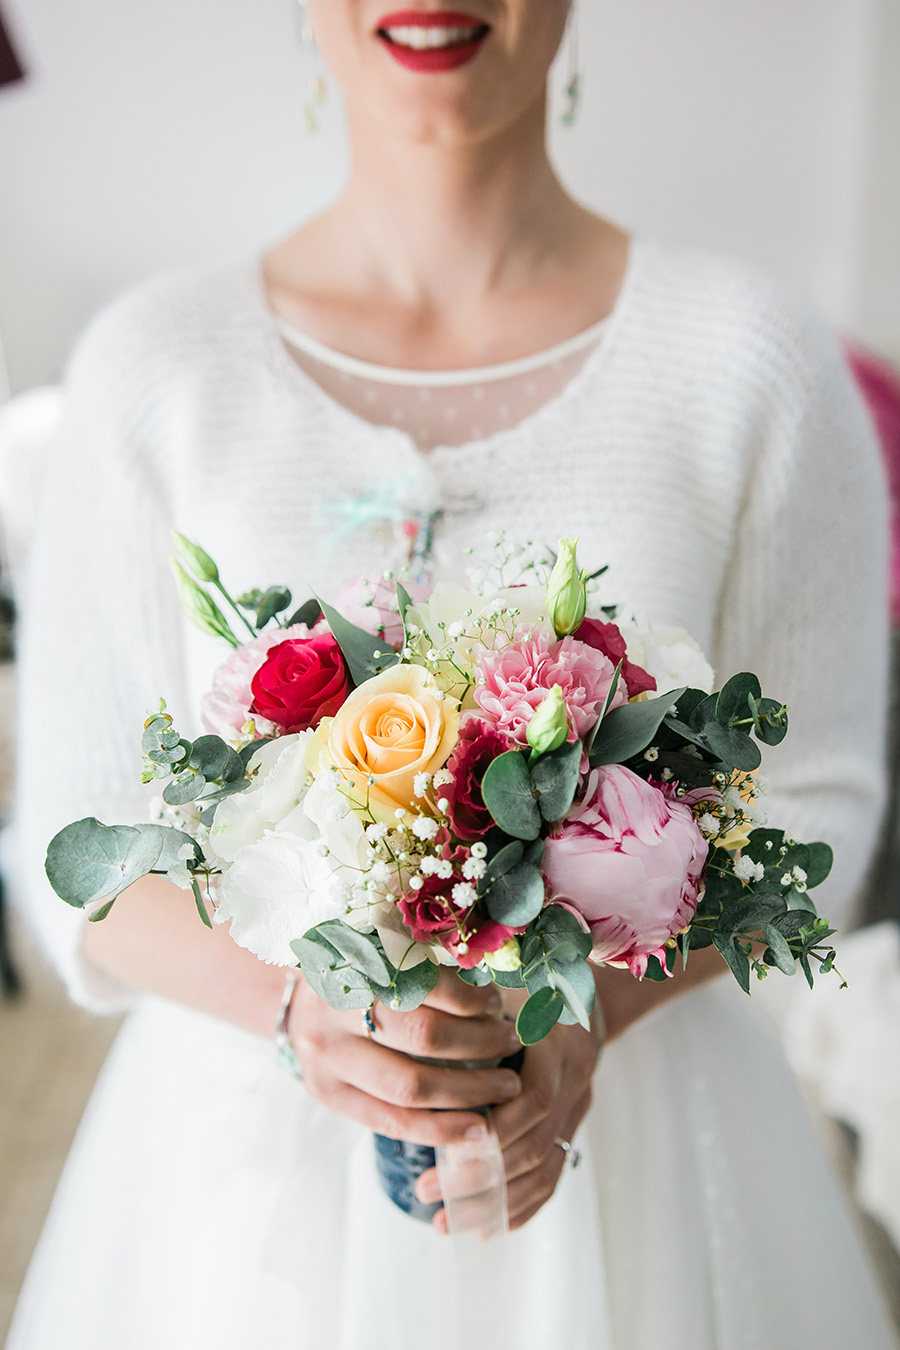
x=515, y=680
x=369, y=602
x=629, y=859
x=225, y=708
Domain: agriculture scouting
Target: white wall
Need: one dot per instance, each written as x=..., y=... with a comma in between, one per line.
x=150, y=136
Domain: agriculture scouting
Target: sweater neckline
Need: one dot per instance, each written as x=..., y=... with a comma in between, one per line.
x=292, y=376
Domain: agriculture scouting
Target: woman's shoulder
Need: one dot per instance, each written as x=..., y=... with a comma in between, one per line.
x=731, y=316
x=164, y=327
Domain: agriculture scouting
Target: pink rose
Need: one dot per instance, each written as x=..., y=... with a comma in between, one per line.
x=369, y=602
x=606, y=638
x=225, y=708
x=514, y=680
x=629, y=860
x=478, y=745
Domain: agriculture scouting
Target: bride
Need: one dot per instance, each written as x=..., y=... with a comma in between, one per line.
x=455, y=340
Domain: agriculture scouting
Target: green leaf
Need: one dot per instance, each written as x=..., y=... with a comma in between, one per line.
x=210, y=756
x=365, y=655
x=404, y=600
x=274, y=601
x=558, y=925
x=310, y=612
x=502, y=861
x=333, y=980
x=246, y=752
x=516, y=897
x=507, y=979
x=789, y=924
x=821, y=856
x=575, y=982
x=703, y=712
x=186, y=787
x=770, y=720
x=508, y=794
x=736, y=957
x=748, y=915
x=88, y=861
x=628, y=730
x=782, y=956
x=98, y=915
x=171, y=841
x=409, y=988
x=198, y=901
x=358, y=948
x=555, y=778
x=475, y=976
x=733, y=746
x=539, y=1015
x=733, y=702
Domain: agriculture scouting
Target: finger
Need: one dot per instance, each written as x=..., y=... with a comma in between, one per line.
x=536, y=1102
x=441, y=1035
x=431, y=1128
x=526, y=1195
x=395, y=1078
x=529, y=1151
x=453, y=995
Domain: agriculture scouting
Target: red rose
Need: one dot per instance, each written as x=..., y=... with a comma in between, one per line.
x=301, y=681
x=479, y=743
x=606, y=638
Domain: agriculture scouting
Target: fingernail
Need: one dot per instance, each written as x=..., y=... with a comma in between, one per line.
x=475, y=1132
x=495, y=1002
x=510, y=1085
x=429, y=1191
x=513, y=1041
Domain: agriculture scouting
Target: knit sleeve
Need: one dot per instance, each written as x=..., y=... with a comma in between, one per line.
x=100, y=634
x=805, y=604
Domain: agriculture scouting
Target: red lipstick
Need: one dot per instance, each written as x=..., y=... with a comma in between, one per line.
x=463, y=37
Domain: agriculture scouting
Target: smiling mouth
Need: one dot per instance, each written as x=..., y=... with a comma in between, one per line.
x=434, y=37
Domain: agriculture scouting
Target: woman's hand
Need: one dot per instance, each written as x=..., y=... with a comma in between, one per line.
x=556, y=1093
x=376, y=1082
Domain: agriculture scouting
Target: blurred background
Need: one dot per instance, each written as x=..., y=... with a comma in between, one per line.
x=145, y=137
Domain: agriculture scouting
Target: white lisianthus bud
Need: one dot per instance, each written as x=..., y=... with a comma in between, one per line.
x=195, y=559
x=566, y=590
x=200, y=608
x=549, y=726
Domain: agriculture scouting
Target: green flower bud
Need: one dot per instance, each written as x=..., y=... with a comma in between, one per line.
x=199, y=607
x=566, y=590
x=549, y=726
x=506, y=957
x=195, y=559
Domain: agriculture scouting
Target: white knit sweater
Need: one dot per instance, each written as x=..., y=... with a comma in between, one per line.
x=711, y=450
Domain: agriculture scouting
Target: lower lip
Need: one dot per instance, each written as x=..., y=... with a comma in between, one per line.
x=434, y=60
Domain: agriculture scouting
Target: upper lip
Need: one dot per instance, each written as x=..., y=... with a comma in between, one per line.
x=429, y=18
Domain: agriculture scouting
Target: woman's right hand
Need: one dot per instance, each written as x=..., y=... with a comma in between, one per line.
x=377, y=1082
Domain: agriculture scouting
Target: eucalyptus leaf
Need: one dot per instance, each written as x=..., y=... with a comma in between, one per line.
x=508, y=794
x=770, y=720
x=736, y=957
x=733, y=702
x=475, y=976
x=821, y=856
x=274, y=601
x=781, y=954
x=88, y=861
x=365, y=655
x=246, y=752
x=748, y=915
x=628, y=730
x=404, y=600
x=198, y=901
x=516, y=897
x=310, y=612
x=539, y=1015
x=555, y=778
x=733, y=746
x=210, y=756
x=409, y=988
x=507, y=979
x=98, y=915
x=557, y=924
x=358, y=948
x=505, y=858
x=576, y=984
x=186, y=787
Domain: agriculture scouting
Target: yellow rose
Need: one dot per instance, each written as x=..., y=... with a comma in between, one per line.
x=388, y=731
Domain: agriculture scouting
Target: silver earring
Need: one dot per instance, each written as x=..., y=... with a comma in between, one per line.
x=572, y=87
x=312, y=79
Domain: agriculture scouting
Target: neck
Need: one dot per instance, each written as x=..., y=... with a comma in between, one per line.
x=433, y=223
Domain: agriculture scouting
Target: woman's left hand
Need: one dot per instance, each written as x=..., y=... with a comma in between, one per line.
x=556, y=1093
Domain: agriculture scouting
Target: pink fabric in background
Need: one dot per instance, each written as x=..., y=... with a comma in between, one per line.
x=880, y=385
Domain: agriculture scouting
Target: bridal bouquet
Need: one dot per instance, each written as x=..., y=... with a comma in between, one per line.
x=497, y=780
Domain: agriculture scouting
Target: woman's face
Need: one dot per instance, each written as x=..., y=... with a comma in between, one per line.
x=420, y=69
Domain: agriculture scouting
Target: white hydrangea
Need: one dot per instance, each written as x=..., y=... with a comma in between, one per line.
x=281, y=782
x=671, y=656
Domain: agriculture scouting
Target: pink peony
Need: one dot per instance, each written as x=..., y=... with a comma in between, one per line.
x=629, y=860
x=369, y=601
x=478, y=745
x=515, y=680
x=225, y=708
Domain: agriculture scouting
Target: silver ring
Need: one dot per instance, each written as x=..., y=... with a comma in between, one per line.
x=368, y=1021
x=573, y=1157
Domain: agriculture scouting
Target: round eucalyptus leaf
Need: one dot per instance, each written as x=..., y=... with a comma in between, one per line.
x=184, y=788
x=89, y=861
x=516, y=897
x=476, y=976
x=539, y=1015
x=733, y=746
x=770, y=720
x=821, y=856
x=555, y=777
x=210, y=756
x=781, y=954
x=410, y=987
x=358, y=948
x=733, y=702
x=575, y=982
x=508, y=794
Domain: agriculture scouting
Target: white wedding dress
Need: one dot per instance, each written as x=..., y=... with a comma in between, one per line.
x=706, y=444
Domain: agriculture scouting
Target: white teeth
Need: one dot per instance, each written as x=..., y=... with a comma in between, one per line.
x=422, y=39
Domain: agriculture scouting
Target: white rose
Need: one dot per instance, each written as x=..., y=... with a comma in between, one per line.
x=281, y=779
x=671, y=656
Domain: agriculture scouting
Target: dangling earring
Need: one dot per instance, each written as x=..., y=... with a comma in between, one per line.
x=313, y=81
x=572, y=88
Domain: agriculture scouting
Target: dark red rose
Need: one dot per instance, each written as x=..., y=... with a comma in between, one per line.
x=479, y=743
x=301, y=681
x=606, y=638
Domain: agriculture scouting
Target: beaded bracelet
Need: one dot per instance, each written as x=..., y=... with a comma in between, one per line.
x=284, y=1048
